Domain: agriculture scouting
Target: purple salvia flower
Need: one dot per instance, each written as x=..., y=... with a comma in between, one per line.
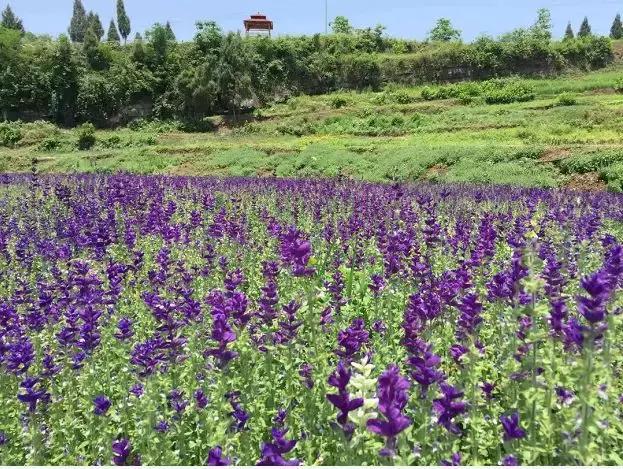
x=392, y=393
x=512, y=429
x=215, y=457
x=101, y=405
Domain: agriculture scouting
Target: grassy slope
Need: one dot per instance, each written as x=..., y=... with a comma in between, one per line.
x=371, y=136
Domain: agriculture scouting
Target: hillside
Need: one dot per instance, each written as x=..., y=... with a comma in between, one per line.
x=570, y=134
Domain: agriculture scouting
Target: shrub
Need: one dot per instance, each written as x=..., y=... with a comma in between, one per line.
x=49, y=144
x=566, y=99
x=10, y=134
x=338, y=102
x=114, y=141
x=86, y=136
x=507, y=91
x=618, y=85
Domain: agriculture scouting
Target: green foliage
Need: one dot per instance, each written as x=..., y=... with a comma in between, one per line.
x=341, y=25
x=123, y=21
x=50, y=144
x=94, y=24
x=542, y=28
x=585, y=29
x=86, y=136
x=10, y=21
x=209, y=37
x=497, y=91
x=78, y=25
x=569, y=34
x=444, y=32
x=618, y=85
x=507, y=91
x=64, y=83
x=590, y=162
x=113, y=35
x=338, y=102
x=616, y=31
x=566, y=99
x=10, y=134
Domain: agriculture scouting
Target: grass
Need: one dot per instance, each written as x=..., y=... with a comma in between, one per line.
x=574, y=125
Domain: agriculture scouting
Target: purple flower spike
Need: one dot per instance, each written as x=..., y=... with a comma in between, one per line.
x=101, y=405
x=510, y=460
x=393, y=397
x=122, y=452
x=215, y=457
x=455, y=460
x=512, y=430
x=342, y=400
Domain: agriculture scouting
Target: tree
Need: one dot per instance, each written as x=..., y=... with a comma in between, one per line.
x=542, y=28
x=138, y=50
x=94, y=23
x=616, y=32
x=78, y=25
x=10, y=21
x=569, y=31
x=113, y=35
x=341, y=25
x=64, y=83
x=209, y=37
x=444, y=32
x=92, y=51
x=585, y=29
x=10, y=76
x=170, y=33
x=159, y=39
x=123, y=20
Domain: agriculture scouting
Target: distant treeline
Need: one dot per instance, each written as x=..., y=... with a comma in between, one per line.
x=88, y=79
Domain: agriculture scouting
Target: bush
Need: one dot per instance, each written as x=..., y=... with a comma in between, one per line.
x=507, y=91
x=10, y=134
x=618, y=85
x=566, y=99
x=49, y=144
x=86, y=136
x=338, y=102
x=114, y=141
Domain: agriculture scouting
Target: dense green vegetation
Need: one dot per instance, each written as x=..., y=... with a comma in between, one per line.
x=91, y=78
x=354, y=103
x=569, y=134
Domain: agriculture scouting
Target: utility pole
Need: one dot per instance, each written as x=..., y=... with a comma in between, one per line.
x=326, y=16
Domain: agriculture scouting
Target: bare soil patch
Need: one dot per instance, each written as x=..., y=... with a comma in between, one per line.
x=586, y=182
x=554, y=154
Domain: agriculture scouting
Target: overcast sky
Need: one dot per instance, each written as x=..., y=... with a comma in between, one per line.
x=403, y=18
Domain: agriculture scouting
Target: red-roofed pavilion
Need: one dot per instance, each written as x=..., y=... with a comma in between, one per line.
x=258, y=24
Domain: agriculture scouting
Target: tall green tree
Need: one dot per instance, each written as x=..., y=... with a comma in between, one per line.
x=10, y=21
x=569, y=31
x=64, y=83
x=444, y=32
x=94, y=23
x=113, y=35
x=138, y=49
x=616, y=31
x=209, y=37
x=93, y=53
x=78, y=25
x=542, y=28
x=585, y=28
x=170, y=33
x=123, y=20
x=10, y=45
x=158, y=37
x=233, y=73
x=341, y=25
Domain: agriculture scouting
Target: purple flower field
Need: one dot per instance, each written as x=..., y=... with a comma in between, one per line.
x=194, y=321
